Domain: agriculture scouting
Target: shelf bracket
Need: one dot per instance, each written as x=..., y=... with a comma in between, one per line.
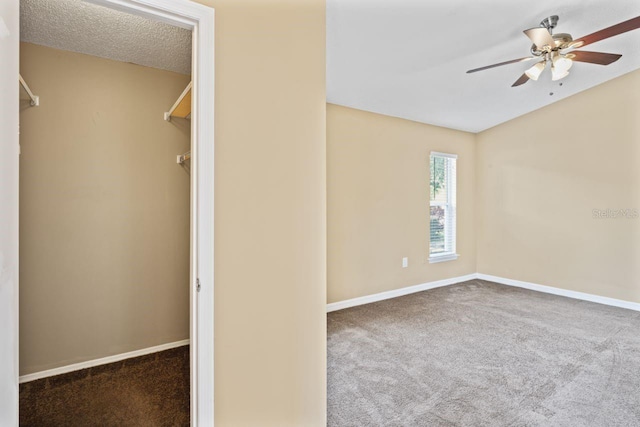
x=183, y=157
x=35, y=100
x=183, y=105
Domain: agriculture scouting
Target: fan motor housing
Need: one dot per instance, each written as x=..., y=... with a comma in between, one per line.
x=563, y=41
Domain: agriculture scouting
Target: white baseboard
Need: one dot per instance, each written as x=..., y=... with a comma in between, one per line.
x=101, y=361
x=397, y=293
x=562, y=292
x=353, y=303
x=509, y=282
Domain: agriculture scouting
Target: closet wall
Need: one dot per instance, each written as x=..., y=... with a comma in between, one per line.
x=104, y=210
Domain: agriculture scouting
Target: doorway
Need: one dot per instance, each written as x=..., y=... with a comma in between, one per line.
x=199, y=20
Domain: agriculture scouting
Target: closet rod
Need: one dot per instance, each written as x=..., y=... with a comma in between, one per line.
x=35, y=100
x=187, y=91
x=183, y=157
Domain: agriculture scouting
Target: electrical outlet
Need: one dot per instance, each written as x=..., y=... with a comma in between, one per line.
x=405, y=262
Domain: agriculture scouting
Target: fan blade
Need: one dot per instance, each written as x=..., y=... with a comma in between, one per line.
x=522, y=80
x=540, y=37
x=614, y=30
x=513, y=61
x=594, y=57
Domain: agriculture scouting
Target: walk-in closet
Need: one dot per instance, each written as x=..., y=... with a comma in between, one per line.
x=105, y=212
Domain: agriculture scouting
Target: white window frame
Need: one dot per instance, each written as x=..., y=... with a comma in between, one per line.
x=450, y=209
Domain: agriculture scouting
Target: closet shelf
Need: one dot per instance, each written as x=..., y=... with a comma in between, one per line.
x=35, y=100
x=182, y=107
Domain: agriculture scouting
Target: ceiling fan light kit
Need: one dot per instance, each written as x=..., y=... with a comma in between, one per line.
x=560, y=67
x=562, y=63
x=559, y=49
x=557, y=75
x=534, y=72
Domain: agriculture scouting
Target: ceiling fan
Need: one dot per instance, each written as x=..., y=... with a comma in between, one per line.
x=558, y=50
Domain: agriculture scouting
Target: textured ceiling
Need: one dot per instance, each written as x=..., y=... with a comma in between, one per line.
x=94, y=30
x=408, y=58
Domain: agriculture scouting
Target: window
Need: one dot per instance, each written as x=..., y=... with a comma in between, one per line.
x=442, y=207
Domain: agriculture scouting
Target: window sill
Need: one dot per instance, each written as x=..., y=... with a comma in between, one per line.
x=443, y=258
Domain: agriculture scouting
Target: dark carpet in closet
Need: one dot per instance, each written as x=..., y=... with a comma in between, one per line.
x=151, y=390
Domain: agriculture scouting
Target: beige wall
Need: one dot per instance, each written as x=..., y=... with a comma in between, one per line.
x=540, y=177
x=378, y=202
x=104, y=210
x=270, y=241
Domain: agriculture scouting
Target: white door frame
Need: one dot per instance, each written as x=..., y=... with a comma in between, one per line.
x=200, y=19
x=9, y=160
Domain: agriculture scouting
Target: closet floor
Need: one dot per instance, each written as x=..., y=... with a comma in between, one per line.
x=151, y=390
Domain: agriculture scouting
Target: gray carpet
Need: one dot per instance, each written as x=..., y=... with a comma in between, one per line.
x=483, y=354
